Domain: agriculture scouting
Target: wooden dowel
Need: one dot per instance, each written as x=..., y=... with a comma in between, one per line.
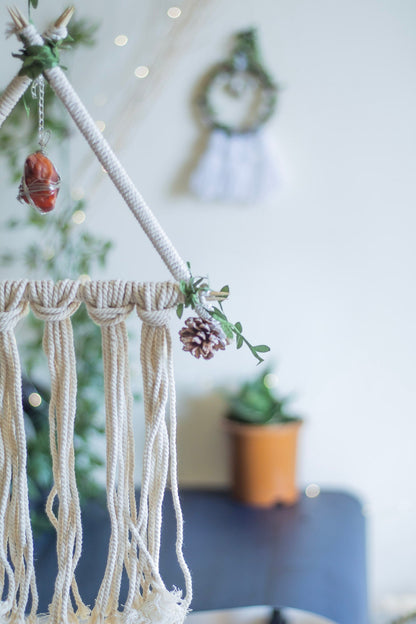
x=65, y=18
x=18, y=18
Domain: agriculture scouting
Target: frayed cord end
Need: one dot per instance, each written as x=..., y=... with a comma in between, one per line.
x=159, y=607
x=11, y=29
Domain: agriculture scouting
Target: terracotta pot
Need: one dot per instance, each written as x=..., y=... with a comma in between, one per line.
x=263, y=462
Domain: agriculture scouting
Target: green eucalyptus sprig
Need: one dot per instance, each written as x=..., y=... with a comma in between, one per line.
x=191, y=290
x=37, y=58
x=236, y=329
x=194, y=291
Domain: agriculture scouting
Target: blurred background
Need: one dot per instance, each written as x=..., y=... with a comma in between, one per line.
x=322, y=271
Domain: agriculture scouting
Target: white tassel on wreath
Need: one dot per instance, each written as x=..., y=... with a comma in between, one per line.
x=236, y=167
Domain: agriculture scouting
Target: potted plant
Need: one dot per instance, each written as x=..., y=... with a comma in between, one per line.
x=263, y=439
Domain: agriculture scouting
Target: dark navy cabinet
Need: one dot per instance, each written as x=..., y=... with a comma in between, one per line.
x=311, y=556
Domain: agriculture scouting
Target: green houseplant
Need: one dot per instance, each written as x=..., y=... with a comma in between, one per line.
x=54, y=248
x=263, y=435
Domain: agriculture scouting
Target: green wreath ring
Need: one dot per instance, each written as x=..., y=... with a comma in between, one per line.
x=246, y=47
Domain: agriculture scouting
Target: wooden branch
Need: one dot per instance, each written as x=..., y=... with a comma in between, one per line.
x=18, y=18
x=217, y=296
x=21, y=22
x=65, y=18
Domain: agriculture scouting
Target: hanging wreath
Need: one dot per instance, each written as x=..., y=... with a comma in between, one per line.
x=243, y=70
x=238, y=163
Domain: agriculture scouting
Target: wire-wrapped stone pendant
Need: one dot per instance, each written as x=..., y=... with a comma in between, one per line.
x=40, y=183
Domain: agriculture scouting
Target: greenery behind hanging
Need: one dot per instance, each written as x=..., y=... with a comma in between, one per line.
x=60, y=249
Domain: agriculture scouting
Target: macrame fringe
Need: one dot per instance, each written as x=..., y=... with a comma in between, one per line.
x=16, y=542
x=137, y=544
x=135, y=540
x=54, y=304
x=109, y=305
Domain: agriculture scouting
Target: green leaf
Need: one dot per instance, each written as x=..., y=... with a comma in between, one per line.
x=227, y=330
x=256, y=355
x=34, y=3
x=261, y=348
x=225, y=289
x=240, y=341
x=82, y=32
x=218, y=315
x=13, y=223
x=26, y=105
x=7, y=258
x=179, y=310
x=238, y=327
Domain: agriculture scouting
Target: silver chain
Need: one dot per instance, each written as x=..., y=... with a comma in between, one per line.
x=38, y=93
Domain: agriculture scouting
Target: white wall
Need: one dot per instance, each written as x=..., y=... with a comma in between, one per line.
x=323, y=273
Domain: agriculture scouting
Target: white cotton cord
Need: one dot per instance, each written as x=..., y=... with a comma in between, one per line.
x=140, y=295
x=16, y=541
x=109, y=304
x=154, y=459
x=131, y=554
x=55, y=304
x=148, y=599
x=173, y=473
x=55, y=33
x=5, y=479
x=160, y=469
x=159, y=607
x=157, y=450
x=156, y=455
x=12, y=94
x=19, y=85
x=116, y=172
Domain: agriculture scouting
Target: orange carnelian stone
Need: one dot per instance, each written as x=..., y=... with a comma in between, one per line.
x=40, y=182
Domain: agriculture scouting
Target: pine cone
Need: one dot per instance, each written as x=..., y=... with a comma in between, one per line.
x=202, y=337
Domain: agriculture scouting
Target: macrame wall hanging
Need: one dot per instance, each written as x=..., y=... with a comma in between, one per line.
x=135, y=539
x=239, y=163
